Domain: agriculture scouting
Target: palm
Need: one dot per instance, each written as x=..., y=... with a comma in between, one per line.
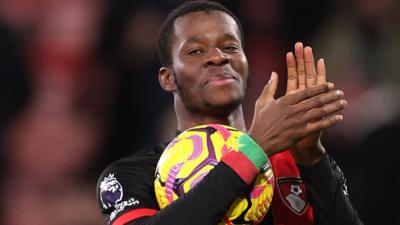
x=302, y=74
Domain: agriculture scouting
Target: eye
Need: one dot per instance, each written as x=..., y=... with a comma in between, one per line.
x=194, y=51
x=231, y=48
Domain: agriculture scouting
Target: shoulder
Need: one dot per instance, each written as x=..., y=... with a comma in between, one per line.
x=145, y=158
x=137, y=165
x=128, y=182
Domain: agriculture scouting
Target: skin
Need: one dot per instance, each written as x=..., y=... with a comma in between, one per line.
x=302, y=74
x=201, y=56
x=208, y=79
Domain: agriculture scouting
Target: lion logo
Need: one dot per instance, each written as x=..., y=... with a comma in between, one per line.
x=110, y=191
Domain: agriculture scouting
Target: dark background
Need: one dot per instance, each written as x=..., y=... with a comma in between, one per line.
x=79, y=89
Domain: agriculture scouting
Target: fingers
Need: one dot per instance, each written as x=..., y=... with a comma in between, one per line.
x=320, y=100
x=269, y=89
x=323, y=123
x=325, y=110
x=292, y=82
x=321, y=72
x=320, y=109
x=305, y=72
x=301, y=71
x=307, y=93
x=311, y=75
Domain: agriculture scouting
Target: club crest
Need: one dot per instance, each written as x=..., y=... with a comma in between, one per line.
x=110, y=191
x=293, y=193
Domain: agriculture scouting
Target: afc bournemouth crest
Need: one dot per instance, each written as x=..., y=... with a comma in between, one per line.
x=293, y=193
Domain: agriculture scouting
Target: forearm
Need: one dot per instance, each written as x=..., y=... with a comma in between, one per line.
x=328, y=195
x=205, y=204
x=308, y=156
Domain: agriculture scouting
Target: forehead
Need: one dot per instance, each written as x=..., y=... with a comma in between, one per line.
x=197, y=24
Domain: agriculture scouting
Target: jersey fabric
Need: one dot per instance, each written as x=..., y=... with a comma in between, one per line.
x=302, y=195
x=290, y=203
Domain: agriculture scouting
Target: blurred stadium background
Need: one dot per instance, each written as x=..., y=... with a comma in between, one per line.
x=79, y=89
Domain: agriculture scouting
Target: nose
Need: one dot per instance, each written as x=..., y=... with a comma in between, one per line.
x=217, y=58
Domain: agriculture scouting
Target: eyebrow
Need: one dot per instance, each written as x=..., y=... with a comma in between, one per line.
x=198, y=38
x=191, y=39
x=231, y=36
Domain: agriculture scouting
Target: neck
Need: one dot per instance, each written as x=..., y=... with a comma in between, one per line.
x=187, y=119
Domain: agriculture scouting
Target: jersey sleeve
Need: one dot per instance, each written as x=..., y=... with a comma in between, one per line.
x=125, y=192
x=125, y=186
x=327, y=190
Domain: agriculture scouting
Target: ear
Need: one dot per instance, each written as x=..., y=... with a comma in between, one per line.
x=166, y=79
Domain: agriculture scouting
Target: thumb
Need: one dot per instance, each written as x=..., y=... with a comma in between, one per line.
x=269, y=90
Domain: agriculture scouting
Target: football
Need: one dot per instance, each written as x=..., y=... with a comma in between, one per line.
x=192, y=154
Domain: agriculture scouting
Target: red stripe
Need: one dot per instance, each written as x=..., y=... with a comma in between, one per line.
x=227, y=221
x=134, y=214
x=284, y=165
x=241, y=165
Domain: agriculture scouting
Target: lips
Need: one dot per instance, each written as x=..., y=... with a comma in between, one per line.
x=221, y=78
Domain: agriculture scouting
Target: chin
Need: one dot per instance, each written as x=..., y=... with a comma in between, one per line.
x=224, y=108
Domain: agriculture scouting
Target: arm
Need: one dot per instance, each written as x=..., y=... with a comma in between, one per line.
x=327, y=190
x=324, y=180
x=205, y=204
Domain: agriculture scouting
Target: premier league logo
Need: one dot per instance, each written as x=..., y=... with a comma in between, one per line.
x=110, y=191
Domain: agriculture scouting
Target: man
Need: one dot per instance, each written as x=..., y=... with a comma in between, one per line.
x=200, y=46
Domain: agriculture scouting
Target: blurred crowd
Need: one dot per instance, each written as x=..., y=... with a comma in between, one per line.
x=79, y=89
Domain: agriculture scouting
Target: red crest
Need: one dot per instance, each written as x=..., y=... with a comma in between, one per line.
x=293, y=193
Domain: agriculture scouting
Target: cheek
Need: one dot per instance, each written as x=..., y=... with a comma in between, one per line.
x=240, y=65
x=244, y=65
x=186, y=74
x=186, y=83
x=184, y=79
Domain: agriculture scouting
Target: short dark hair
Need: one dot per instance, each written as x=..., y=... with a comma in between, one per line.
x=166, y=32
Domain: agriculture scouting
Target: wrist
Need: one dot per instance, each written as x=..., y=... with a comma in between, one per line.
x=308, y=156
x=266, y=147
x=247, y=160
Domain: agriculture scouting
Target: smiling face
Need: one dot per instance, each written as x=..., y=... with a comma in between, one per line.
x=209, y=67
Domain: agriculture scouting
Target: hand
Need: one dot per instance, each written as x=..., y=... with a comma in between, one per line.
x=279, y=124
x=302, y=74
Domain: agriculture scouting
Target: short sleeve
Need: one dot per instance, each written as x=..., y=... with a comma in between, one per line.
x=127, y=185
